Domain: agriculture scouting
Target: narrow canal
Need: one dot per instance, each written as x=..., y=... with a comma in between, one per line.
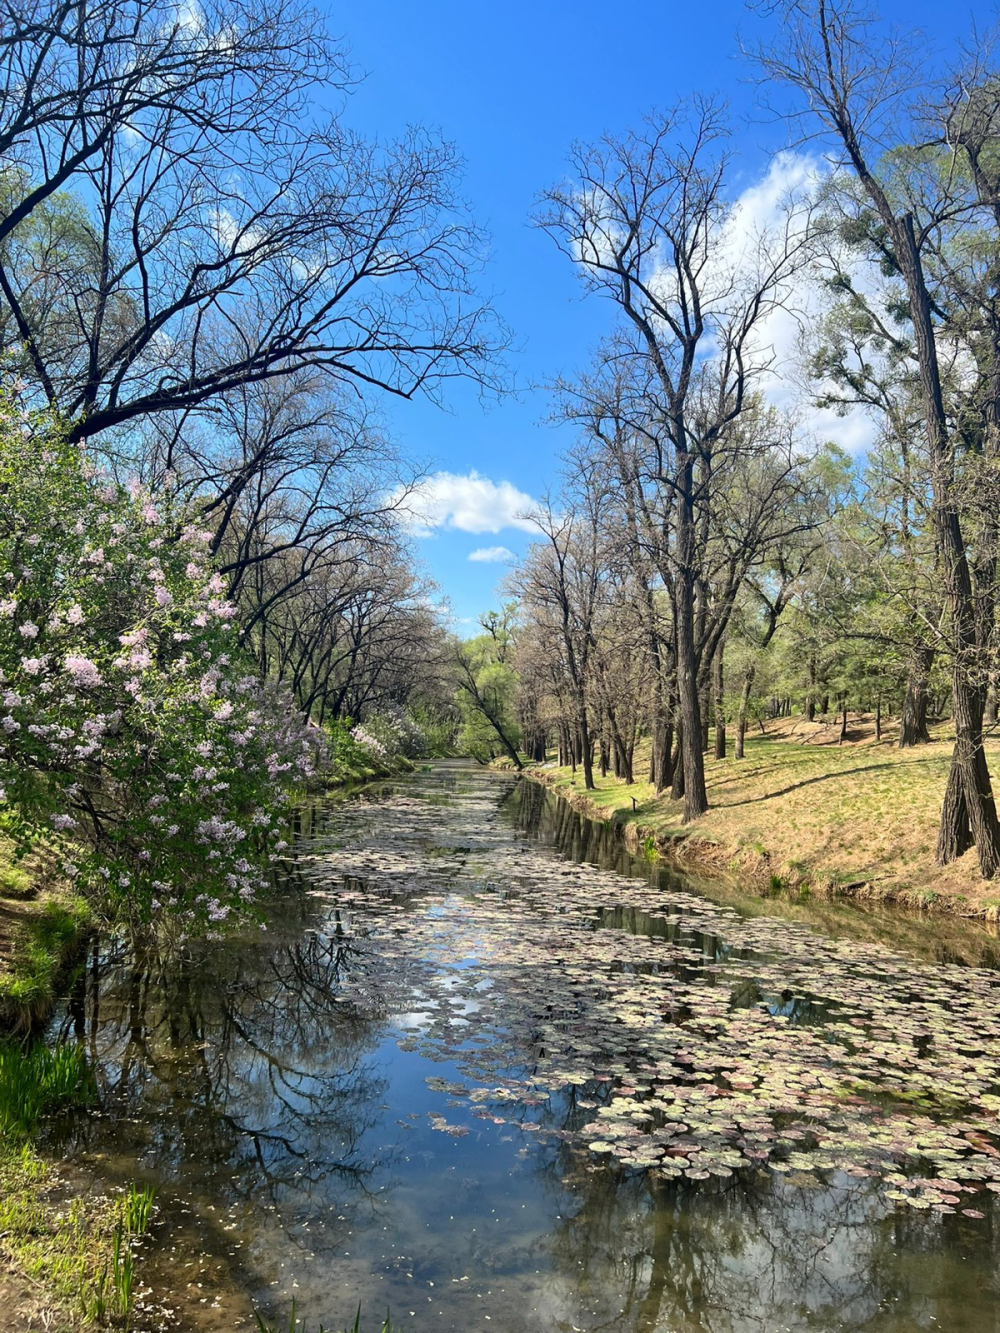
x=487, y=1071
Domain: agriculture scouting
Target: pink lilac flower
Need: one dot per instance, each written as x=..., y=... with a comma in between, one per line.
x=84, y=672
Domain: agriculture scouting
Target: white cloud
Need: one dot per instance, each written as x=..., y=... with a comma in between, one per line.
x=491, y=555
x=465, y=503
x=761, y=211
x=773, y=206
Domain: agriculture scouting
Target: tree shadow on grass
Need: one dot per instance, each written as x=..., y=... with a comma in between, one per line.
x=809, y=782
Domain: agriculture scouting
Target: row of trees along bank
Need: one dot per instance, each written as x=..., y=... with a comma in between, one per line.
x=706, y=552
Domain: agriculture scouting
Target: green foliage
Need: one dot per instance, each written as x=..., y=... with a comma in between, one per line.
x=440, y=732
x=350, y=759
x=133, y=730
x=396, y=732
x=36, y=1080
x=387, y=742
x=138, y=1208
x=111, y=1292
x=487, y=698
x=42, y=943
x=15, y=882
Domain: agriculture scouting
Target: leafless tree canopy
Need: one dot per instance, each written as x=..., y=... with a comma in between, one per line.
x=180, y=216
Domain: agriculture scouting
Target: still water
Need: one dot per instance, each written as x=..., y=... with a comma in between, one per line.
x=486, y=1070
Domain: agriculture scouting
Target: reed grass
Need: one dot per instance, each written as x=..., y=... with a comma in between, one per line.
x=37, y=1080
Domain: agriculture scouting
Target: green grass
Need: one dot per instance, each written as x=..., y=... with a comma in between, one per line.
x=77, y=1252
x=43, y=940
x=797, y=810
x=16, y=883
x=37, y=1080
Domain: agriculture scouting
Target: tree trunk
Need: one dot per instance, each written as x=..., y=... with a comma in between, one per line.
x=677, y=787
x=693, y=768
x=741, y=710
x=586, y=747
x=968, y=816
x=668, y=756
x=659, y=759
x=913, y=722
x=720, y=706
x=969, y=810
x=843, y=721
x=811, y=695
x=878, y=717
x=706, y=714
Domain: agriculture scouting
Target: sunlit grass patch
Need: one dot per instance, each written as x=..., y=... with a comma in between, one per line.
x=78, y=1251
x=42, y=939
x=37, y=1080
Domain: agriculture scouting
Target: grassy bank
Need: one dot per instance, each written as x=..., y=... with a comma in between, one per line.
x=358, y=772
x=68, y=1259
x=42, y=924
x=856, y=819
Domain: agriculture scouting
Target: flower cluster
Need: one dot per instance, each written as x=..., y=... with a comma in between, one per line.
x=361, y=736
x=395, y=732
x=132, y=728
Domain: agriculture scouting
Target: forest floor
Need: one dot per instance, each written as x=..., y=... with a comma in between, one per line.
x=856, y=819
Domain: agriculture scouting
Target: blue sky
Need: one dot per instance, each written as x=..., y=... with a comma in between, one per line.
x=512, y=85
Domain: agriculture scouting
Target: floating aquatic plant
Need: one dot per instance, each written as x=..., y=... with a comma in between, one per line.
x=695, y=1042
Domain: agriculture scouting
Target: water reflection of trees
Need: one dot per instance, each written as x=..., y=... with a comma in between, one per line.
x=240, y=1064
x=248, y=1072
x=755, y=1252
x=537, y=812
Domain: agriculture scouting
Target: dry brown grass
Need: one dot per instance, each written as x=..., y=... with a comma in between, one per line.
x=859, y=818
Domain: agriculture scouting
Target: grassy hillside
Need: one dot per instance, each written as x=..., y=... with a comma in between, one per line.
x=801, y=810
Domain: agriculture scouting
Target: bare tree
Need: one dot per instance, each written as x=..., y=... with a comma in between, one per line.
x=860, y=90
x=562, y=574
x=647, y=220
x=224, y=232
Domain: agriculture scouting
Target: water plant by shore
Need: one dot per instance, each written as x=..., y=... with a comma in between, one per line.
x=296, y=1325
x=70, y=1256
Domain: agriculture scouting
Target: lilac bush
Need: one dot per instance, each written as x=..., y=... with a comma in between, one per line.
x=373, y=747
x=133, y=730
x=395, y=732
